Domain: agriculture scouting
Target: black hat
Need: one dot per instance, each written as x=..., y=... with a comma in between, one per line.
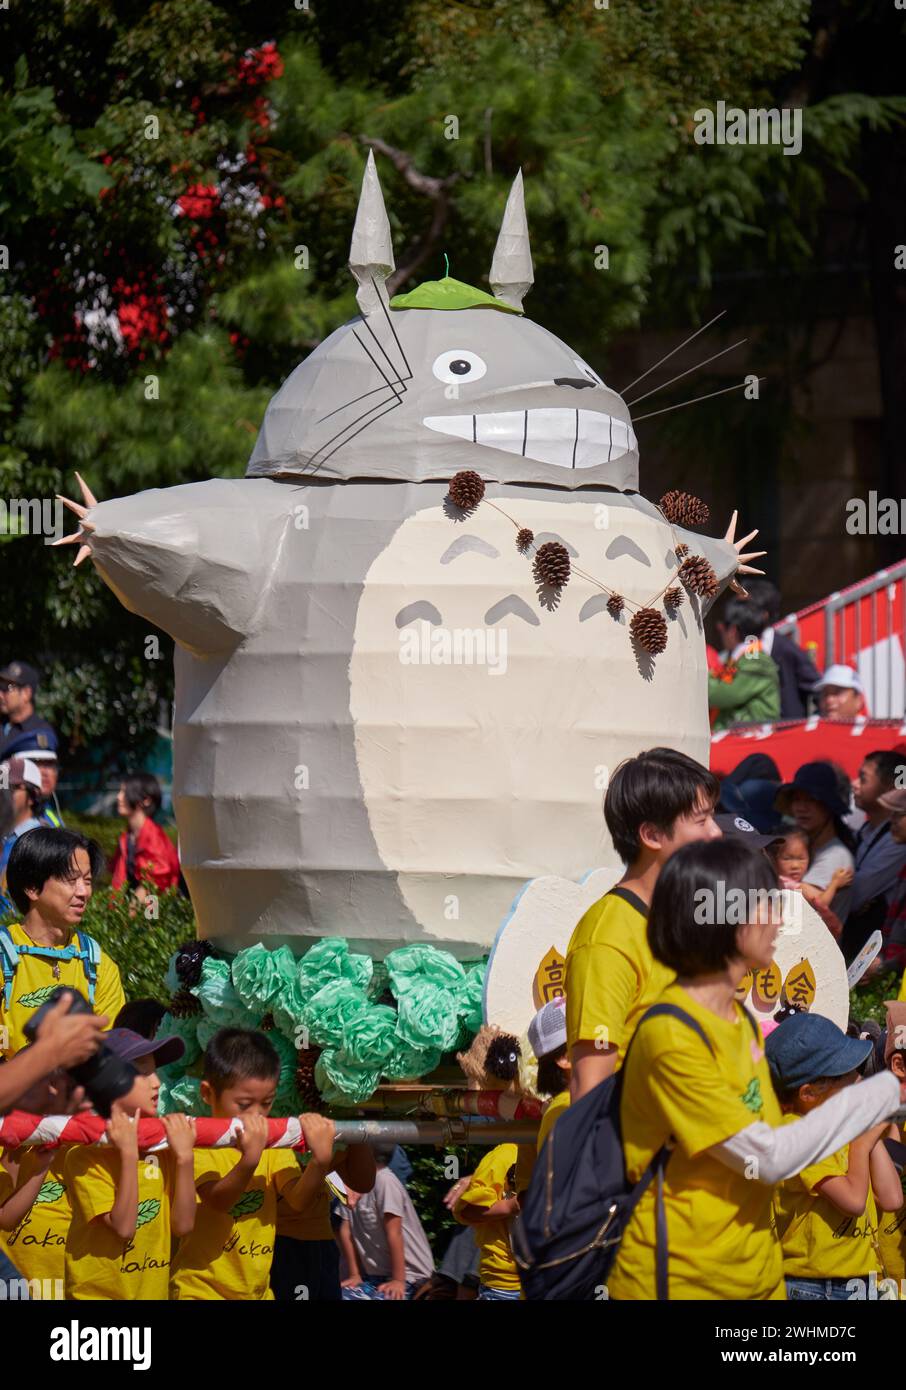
x=817, y=780
x=738, y=828
x=20, y=673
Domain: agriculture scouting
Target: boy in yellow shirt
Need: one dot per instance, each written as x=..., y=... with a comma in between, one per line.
x=125, y=1206
x=655, y=804
x=34, y=1203
x=827, y=1216
x=487, y=1203
x=229, y=1253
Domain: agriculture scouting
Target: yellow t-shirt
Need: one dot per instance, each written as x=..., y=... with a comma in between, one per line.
x=819, y=1240
x=229, y=1253
x=496, y=1268
x=35, y=981
x=525, y=1163
x=720, y=1236
x=98, y=1263
x=38, y=1244
x=892, y=1237
x=611, y=975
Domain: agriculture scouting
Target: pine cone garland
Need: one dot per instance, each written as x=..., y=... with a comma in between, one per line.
x=184, y=1005
x=524, y=538
x=673, y=598
x=466, y=490
x=684, y=509
x=551, y=565
x=615, y=605
x=309, y=1094
x=698, y=576
x=682, y=550
x=649, y=630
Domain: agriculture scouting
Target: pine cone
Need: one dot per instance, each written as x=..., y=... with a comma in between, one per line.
x=524, y=538
x=649, y=630
x=698, y=576
x=309, y=1094
x=684, y=509
x=466, y=490
x=615, y=605
x=673, y=598
x=184, y=1005
x=551, y=565
x=682, y=550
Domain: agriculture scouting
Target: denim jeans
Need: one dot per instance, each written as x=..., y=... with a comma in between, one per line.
x=8, y=1272
x=499, y=1295
x=819, y=1290
x=368, y=1291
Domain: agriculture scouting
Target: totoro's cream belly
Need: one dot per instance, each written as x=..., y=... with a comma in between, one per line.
x=486, y=724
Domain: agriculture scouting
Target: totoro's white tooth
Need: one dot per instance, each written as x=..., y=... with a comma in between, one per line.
x=504, y=429
x=551, y=436
x=461, y=426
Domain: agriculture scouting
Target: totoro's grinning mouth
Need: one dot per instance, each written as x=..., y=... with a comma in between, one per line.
x=566, y=438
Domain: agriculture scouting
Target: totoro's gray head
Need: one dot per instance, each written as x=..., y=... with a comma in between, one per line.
x=444, y=378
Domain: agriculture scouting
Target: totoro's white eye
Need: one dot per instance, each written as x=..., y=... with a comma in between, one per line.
x=588, y=371
x=458, y=365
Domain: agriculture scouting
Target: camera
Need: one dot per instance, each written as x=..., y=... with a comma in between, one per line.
x=105, y=1076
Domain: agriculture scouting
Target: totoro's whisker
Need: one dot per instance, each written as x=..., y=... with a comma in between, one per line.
x=395, y=371
x=346, y=404
x=654, y=390
x=680, y=404
x=391, y=406
x=378, y=405
x=395, y=386
x=672, y=352
x=386, y=312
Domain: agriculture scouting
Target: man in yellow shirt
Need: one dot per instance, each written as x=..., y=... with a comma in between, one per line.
x=50, y=877
x=655, y=803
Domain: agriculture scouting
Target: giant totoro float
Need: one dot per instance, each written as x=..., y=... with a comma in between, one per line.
x=384, y=723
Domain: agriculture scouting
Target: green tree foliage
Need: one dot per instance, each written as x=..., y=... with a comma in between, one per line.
x=177, y=187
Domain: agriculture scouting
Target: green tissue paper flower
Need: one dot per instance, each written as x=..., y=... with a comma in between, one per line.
x=260, y=976
x=369, y=1038
x=342, y=1083
x=289, y=1061
x=410, y=1063
x=171, y=979
x=327, y=1012
x=329, y=960
x=204, y=1031
x=427, y=1016
x=287, y=1006
x=411, y=965
x=468, y=995
x=218, y=997
x=187, y=1029
x=184, y=1095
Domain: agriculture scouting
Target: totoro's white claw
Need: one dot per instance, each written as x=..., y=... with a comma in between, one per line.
x=87, y=495
x=76, y=507
x=84, y=552
x=68, y=540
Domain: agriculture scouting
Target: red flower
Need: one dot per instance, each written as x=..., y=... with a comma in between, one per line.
x=200, y=200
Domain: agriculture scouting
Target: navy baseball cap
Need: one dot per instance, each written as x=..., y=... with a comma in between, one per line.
x=738, y=828
x=805, y=1047
x=130, y=1046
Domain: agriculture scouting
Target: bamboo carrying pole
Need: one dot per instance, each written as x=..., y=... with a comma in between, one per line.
x=19, y=1129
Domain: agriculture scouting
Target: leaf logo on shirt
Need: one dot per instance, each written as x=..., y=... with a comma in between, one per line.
x=751, y=1097
x=147, y=1211
x=37, y=997
x=50, y=1191
x=248, y=1202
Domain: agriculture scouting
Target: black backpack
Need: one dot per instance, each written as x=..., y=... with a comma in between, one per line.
x=579, y=1199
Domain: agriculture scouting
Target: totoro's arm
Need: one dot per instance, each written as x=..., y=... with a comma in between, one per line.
x=723, y=555
x=194, y=560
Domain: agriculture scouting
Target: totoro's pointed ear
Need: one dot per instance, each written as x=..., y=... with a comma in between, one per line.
x=512, y=275
x=371, y=252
